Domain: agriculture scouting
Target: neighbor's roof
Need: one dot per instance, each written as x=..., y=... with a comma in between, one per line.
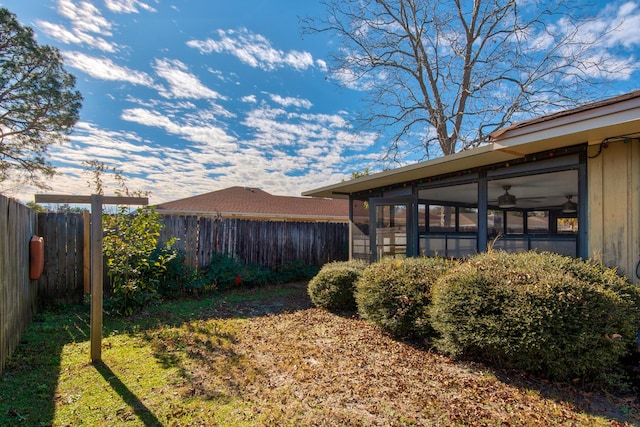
x=590, y=123
x=253, y=203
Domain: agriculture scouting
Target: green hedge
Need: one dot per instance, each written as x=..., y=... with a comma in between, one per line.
x=333, y=287
x=540, y=312
x=395, y=293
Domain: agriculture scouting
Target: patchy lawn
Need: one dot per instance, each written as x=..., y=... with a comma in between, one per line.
x=265, y=357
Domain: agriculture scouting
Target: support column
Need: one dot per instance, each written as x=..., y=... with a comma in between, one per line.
x=483, y=202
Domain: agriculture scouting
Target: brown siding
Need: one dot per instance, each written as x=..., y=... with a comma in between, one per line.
x=614, y=206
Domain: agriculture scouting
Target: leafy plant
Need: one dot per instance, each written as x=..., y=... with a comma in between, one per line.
x=135, y=264
x=294, y=271
x=334, y=286
x=557, y=316
x=179, y=279
x=394, y=294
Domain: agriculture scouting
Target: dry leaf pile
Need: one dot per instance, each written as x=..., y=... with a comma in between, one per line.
x=307, y=366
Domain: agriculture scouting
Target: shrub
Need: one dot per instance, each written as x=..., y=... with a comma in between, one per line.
x=394, y=294
x=294, y=271
x=540, y=312
x=223, y=271
x=135, y=263
x=179, y=280
x=333, y=287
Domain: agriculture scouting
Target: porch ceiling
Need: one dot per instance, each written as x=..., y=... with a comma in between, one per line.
x=540, y=191
x=485, y=155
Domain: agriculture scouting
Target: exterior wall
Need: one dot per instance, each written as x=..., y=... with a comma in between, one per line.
x=614, y=206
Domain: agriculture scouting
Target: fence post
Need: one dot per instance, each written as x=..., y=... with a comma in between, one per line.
x=96, y=277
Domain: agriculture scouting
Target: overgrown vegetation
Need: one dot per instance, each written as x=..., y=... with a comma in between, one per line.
x=333, y=287
x=395, y=294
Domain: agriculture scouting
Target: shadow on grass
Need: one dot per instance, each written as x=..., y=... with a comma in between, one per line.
x=30, y=379
x=28, y=384
x=140, y=410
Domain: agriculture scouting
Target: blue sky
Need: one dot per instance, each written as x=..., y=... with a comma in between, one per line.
x=188, y=97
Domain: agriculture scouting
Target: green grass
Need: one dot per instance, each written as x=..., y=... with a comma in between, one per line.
x=264, y=357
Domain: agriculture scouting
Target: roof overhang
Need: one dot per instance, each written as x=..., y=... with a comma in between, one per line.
x=480, y=156
x=584, y=125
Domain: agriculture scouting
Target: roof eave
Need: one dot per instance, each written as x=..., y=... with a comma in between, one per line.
x=586, y=125
x=490, y=153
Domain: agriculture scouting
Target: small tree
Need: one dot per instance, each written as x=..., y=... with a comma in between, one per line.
x=38, y=103
x=137, y=264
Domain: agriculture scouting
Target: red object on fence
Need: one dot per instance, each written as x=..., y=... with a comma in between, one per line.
x=36, y=257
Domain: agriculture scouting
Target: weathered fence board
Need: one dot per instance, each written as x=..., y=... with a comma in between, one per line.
x=18, y=295
x=62, y=280
x=268, y=243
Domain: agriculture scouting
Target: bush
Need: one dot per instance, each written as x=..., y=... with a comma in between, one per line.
x=333, y=287
x=294, y=271
x=540, y=312
x=179, y=280
x=394, y=294
x=135, y=263
x=225, y=271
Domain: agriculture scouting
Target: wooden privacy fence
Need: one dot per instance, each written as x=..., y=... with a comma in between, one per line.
x=18, y=295
x=268, y=243
x=62, y=279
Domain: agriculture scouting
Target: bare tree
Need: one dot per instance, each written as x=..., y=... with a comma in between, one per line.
x=38, y=103
x=446, y=73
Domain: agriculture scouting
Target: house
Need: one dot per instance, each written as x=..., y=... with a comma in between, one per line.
x=567, y=182
x=256, y=204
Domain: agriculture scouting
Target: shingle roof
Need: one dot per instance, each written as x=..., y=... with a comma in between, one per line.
x=249, y=202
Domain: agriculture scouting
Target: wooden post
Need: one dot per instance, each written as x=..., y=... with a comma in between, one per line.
x=96, y=201
x=96, y=277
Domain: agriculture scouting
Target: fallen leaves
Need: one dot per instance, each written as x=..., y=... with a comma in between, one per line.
x=311, y=367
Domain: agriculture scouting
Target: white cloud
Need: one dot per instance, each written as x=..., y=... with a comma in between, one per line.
x=85, y=17
x=254, y=50
x=290, y=101
x=193, y=130
x=624, y=26
x=127, y=6
x=182, y=83
x=87, y=26
x=106, y=69
x=252, y=99
x=71, y=36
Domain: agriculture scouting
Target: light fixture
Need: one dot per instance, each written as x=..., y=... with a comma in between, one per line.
x=569, y=206
x=507, y=200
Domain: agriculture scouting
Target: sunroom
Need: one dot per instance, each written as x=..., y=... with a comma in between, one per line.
x=567, y=183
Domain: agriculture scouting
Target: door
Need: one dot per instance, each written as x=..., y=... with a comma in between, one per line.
x=392, y=220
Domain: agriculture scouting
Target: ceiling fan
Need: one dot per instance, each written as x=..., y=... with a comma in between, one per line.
x=508, y=200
